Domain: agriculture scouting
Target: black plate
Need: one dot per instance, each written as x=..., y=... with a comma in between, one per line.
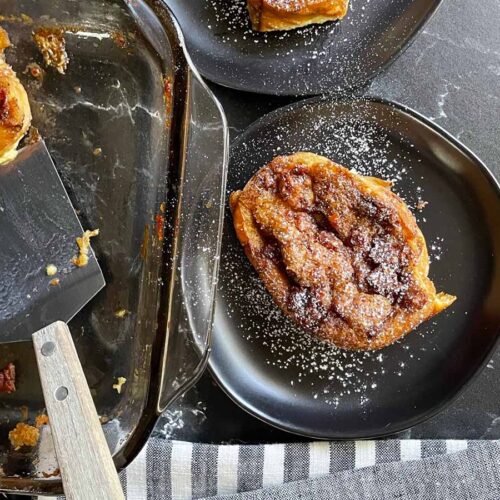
x=281, y=375
x=311, y=60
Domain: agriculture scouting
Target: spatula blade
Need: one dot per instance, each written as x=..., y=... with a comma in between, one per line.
x=38, y=227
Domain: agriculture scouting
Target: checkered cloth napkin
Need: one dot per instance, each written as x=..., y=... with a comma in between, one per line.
x=385, y=469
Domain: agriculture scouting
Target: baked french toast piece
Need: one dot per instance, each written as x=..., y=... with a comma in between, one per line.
x=340, y=253
x=274, y=15
x=15, y=112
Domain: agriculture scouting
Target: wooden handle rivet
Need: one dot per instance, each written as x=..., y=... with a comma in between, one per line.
x=48, y=348
x=61, y=393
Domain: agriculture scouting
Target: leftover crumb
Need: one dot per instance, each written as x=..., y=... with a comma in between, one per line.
x=119, y=383
x=163, y=207
x=35, y=71
x=119, y=38
x=121, y=313
x=8, y=379
x=83, y=242
x=51, y=270
x=32, y=137
x=421, y=204
x=54, y=282
x=209, y=204
x=23, y=435
x=97, y=152
x=41, y=419
x=54, y=473
x=52, y=45
x=77, y=89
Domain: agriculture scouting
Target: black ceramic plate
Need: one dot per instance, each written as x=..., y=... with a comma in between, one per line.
x=283, y=376
x=311, y=60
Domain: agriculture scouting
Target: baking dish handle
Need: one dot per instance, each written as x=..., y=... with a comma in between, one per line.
x=201, y=201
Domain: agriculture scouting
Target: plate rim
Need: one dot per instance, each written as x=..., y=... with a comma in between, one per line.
x=394, y=429
x=212, y=76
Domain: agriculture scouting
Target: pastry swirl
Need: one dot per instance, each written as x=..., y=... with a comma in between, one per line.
x=340, y=253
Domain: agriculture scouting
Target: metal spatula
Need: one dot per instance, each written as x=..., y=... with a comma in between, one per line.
x=38, y=228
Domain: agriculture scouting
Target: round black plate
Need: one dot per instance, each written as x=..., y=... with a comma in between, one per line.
x=283, y=376
x=311, y=60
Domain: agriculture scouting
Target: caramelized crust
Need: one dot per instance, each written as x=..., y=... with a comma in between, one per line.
x=271, y=15
x=340, y=253
x=15, y=113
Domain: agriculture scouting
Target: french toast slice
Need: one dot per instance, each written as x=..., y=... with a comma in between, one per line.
x=340, y=253
x=274, y=15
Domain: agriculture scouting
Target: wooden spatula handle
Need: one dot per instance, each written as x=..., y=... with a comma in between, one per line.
x=86, y=465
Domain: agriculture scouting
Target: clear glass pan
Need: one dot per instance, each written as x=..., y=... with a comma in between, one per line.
x=141, y=145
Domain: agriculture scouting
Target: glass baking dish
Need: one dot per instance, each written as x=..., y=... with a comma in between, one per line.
x=141, y=145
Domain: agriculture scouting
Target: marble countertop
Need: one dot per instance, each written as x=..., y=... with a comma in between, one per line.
x=451, y=74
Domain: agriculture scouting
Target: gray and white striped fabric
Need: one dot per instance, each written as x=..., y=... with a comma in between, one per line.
x=174, y=470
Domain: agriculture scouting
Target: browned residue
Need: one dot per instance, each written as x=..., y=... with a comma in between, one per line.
x=145, y=242
x=160, y=226
x=119, y=38
x=52, y=45
x=8, y=379
x=168, y=95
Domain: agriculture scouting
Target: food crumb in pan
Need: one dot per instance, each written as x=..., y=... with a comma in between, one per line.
x=119, y=383
x=23, y=435
x=54, y=473
x=41, y=419
x=8, y=379
x=35, y=71
x=121, y=313
x=97, y=152
x=52, y=46
x=77, y=89
x=119, y=38
x=51, y=270
x=32, y=137
x=54, y=282
x=83, y=242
